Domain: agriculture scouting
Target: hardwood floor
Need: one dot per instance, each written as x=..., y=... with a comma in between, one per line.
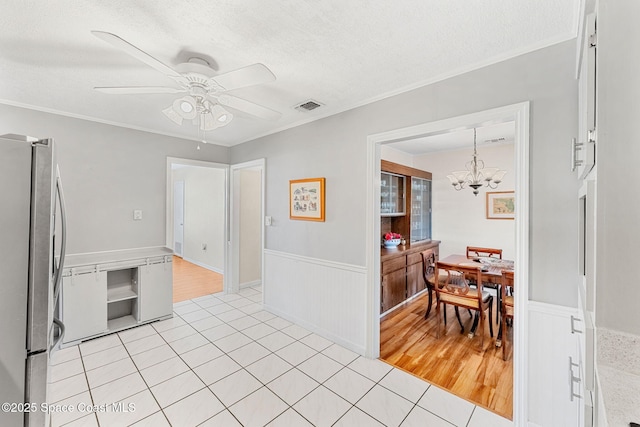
x=192, y=281
x=453, y=362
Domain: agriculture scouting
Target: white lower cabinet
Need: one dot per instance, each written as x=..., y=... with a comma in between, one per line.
x=556, y=380
x=156, y=290
x=83, y=305
x=105, y=292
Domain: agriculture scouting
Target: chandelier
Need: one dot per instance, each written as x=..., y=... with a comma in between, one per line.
x=476, y=174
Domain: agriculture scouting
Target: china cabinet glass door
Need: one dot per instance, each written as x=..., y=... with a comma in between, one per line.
x=392, y=189
x=420, y=209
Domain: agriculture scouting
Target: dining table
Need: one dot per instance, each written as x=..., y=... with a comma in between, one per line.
x=491, y=273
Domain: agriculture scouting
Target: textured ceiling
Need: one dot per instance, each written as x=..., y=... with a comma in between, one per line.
x=340, y=53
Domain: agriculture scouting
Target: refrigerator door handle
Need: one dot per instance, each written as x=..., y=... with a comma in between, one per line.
x=61, y=327
x=63, y=243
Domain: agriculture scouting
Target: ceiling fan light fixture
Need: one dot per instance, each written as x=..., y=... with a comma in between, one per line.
x=172, y=115
x=186, y=107
x=221, y=115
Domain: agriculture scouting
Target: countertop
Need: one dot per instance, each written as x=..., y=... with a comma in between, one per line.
x=619, y=376
x=409, y=248
x=93, y=258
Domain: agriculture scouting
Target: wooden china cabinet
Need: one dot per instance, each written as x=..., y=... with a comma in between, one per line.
x=405, y=208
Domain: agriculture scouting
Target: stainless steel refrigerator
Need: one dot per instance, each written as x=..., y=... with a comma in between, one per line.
x=30, y=269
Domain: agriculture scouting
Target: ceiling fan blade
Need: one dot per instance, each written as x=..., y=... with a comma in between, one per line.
x=249, y=107
x=124, y=45
x=125, y=90
x=247, y=76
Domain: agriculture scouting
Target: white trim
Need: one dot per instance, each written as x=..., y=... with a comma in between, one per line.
x=318, y=261
x=552, y=309
x=233, y=238
x=250, y=284
x=109, y=122
x=169, y=202
x=408, y=300
x=203, y=265
x=518, y=113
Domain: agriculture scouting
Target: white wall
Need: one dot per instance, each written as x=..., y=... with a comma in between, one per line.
x=335, y=148
x=250, y=231
x=458, y=217
x=388, y=152
x=204, y=193
x=618, y=152
x=107, y=172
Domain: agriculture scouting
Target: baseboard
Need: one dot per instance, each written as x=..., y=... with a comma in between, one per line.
x=250, y=284
x=318, y=331
x=203, y=265
x=404, y=302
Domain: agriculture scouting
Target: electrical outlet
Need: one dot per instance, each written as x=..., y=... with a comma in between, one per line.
x=268, y=220
x=204, y=246
x=137, y=215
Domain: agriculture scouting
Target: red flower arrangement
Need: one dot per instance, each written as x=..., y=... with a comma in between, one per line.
x=392, y=236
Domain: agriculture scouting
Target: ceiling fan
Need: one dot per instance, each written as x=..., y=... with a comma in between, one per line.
x=205, y=93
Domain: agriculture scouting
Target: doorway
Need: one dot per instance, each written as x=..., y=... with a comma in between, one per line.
x=409, y=338
x=196, y=226
x=519, y=113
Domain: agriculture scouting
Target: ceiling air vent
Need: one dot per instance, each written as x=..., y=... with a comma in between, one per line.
x=308, y=105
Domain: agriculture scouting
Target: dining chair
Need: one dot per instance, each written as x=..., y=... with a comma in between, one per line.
x=477, y=252
x=456, y=291
x=428, y=274
x=506, y=308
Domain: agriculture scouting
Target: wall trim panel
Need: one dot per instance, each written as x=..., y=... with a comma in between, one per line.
x=325, y=297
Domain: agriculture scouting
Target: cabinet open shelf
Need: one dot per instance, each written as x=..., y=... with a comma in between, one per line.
x=121, y=323
x=120, y=293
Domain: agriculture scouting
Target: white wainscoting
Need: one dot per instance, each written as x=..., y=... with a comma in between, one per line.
x=325, y=297
x=551, y=343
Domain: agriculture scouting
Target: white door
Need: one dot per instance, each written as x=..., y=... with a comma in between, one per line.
x=178, y=217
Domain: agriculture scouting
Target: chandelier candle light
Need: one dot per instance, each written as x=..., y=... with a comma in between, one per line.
x=476, y=174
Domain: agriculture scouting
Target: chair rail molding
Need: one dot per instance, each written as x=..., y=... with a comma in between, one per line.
x=519, y=113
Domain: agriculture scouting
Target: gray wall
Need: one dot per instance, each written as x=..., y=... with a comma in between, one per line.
x=618, y=152
x=107, y=172
x=335, y=148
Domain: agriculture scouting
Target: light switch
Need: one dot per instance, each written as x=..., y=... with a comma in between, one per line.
x=267, y=220
x=137, y=215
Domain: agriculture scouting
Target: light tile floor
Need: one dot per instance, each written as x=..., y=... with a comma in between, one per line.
x=223, y=361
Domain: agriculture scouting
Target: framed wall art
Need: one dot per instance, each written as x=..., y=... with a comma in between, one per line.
x=501, y=205
x=306, y=199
